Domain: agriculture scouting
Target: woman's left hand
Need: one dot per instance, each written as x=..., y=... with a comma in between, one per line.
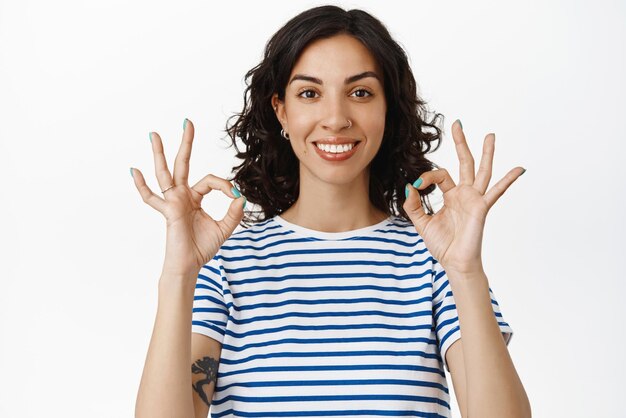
x=454, y=234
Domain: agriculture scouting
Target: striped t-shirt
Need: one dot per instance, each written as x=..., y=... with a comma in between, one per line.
x=321, y=324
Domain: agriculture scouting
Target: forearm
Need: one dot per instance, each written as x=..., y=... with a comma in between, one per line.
x=493, y=387
x=165, y=389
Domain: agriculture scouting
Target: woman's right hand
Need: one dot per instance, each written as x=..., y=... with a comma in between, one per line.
x=193, y=237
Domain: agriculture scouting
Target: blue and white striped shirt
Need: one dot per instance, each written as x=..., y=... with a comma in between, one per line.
x=320, y=324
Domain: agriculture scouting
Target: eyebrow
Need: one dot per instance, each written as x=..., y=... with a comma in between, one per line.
x=348, y=80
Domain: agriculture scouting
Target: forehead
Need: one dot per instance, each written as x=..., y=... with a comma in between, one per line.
x=337, y=57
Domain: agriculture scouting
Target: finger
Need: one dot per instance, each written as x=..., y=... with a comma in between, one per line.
x=483, y=177
x=233, y=216
x=162, y=172
x=414, y=209
x=181, y=164
x=500, y=187
x=441, y=177
x=210, y=182
x=466, y=161
x=147, y=195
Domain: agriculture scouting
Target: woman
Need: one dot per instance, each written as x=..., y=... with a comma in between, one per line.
x=345, y=297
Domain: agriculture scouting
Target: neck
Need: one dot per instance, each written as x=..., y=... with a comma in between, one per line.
x=330, y=207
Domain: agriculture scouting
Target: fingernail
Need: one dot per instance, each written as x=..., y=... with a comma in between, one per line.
x=184, y=124
x=244, y=202
x=150, y=136
x=523, y=171
x=235, y=192
x=131, y=172
x=406, y=191
x=460, y=124
x=417, y=183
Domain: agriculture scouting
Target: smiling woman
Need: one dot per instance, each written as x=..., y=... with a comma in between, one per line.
x=335, y=77
x=345, y=297
x=344, y=105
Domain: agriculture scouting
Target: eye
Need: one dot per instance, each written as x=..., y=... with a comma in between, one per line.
x=310, y=94
x=363, y=93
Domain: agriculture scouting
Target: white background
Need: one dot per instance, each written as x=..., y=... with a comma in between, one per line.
x=82, y=84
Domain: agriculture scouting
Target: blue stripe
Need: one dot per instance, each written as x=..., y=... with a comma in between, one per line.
x=325, y=263
x=395, y=231
x=327, y=276
x=341, y=413
x=447, y=322
x=297, y=240
x=441, y=288
x=217, y=310
x=337, y=367
x=255, y=231
x=211, y=288
x=327, y=341
x=210, y=268
x=248, y=238
x=326, y=251
x=324, y=302
x=211, y=298
x=343, y=382
x=452, y=331
x=283, y=354
x=317, y=289
x=442, y=310
x=209, y=325
x=208, y=279
x=339, y=314
x=328, y=398
x=242, y=335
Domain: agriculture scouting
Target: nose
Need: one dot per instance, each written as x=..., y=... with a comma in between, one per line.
x=336, y=115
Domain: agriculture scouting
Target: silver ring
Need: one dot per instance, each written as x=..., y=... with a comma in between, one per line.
x=163, y=191
x=349, y=124
x=284, y=135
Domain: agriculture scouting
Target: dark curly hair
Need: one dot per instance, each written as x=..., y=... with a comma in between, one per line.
x=269, y=173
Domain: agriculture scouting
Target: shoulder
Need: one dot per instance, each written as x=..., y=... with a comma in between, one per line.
x=253, y=232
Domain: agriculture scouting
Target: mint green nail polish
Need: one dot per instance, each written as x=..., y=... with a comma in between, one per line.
x=235, y=192
x=523, y=171
x=150, y=136
x=184, y=124
x=406, y=191
x=460, y=124
x=244, y=202
x=417, y=183
x=131, y=172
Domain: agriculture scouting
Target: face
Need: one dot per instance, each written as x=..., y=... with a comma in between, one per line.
x=334, y=82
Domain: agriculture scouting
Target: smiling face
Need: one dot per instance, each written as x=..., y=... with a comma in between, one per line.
x=334, y=82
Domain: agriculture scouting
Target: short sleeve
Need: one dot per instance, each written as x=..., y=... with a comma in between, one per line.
x=210, y=312
x=446, y=320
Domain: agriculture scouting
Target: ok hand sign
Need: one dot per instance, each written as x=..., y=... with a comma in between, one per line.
x=454, y=234
x=193, y=237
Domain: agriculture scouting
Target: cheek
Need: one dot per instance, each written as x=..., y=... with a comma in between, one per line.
x=302, y=120
x=375, y=124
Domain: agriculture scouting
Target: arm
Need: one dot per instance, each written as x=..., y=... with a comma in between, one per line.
x=483, y=374
x=165, y=389
x=193, y=238
x=454, y=358
x=207, y=353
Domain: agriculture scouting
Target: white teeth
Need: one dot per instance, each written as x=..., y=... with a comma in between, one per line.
x=335, y=149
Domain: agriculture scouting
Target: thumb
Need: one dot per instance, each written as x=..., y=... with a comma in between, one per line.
x=414, y=209
x=233, y=216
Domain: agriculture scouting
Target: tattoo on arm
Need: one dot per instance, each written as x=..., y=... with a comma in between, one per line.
x=206, y=366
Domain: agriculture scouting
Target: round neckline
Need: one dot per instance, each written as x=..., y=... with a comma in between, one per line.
x=313, y=233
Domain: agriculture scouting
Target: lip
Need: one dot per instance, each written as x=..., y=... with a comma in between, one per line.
x=329, y=156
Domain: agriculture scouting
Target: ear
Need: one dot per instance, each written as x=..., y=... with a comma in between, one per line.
x=279, y=110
